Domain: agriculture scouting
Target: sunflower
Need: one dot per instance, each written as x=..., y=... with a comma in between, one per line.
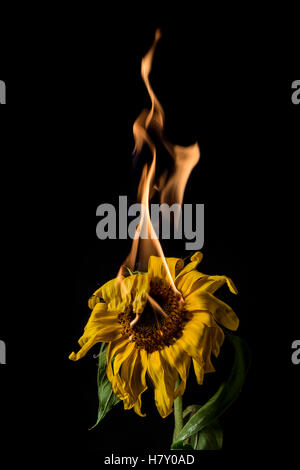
x=156, y=328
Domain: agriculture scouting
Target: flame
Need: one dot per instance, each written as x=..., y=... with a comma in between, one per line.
x=185, y=159
x=156, y=114
x=171, y=188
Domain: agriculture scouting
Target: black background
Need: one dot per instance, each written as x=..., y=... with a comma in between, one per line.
x=67, y=140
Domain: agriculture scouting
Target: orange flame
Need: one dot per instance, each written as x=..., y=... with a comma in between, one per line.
x=172, y=189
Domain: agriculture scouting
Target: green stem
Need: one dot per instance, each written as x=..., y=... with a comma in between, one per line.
x=178, y=416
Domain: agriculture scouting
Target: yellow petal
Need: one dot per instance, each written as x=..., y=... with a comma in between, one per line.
x=118, y=350
x=202, y=316
x=199, y=372
x=111, y=294
x=86, y=342
x=137, y=408
x=102, y=326
x=112, y=350
x=126, y=377
x=208, y=367
x=189, y=279
x=201, y=369
x=215, y=282
x=133, y=375
x=195, y=260
x=115, y=346
x=93, y=301
x=119, y=293
x=217, y=339
x=115, y=293
x=202, y=363
x=180, y=361
x=189, y=282
x=157, y=270
x=140, y=290
x=118, y=387
x=123, y=354
x=195, y=339
x=100, y=317
x=211, y=283
x=117, y=384
x=163, y=377
x=222, y=313
x=213, y=343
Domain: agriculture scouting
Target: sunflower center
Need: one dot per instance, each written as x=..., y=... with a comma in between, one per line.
x=161, y=322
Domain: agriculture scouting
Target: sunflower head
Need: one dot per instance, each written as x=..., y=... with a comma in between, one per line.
x=157, y=324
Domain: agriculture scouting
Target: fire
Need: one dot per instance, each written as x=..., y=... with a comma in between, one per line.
x=171, y=189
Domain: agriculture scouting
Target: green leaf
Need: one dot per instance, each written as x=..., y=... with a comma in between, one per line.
x=191, y=410
x=107, y=398
x=225, y=396
x=182, y=446
x=210, y=438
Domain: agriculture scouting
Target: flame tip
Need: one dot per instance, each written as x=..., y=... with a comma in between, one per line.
x=158, y=34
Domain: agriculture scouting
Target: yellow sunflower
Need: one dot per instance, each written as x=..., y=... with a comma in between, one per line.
x=155, y=330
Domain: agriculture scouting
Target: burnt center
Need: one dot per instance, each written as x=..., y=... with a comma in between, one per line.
x=156, y=327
